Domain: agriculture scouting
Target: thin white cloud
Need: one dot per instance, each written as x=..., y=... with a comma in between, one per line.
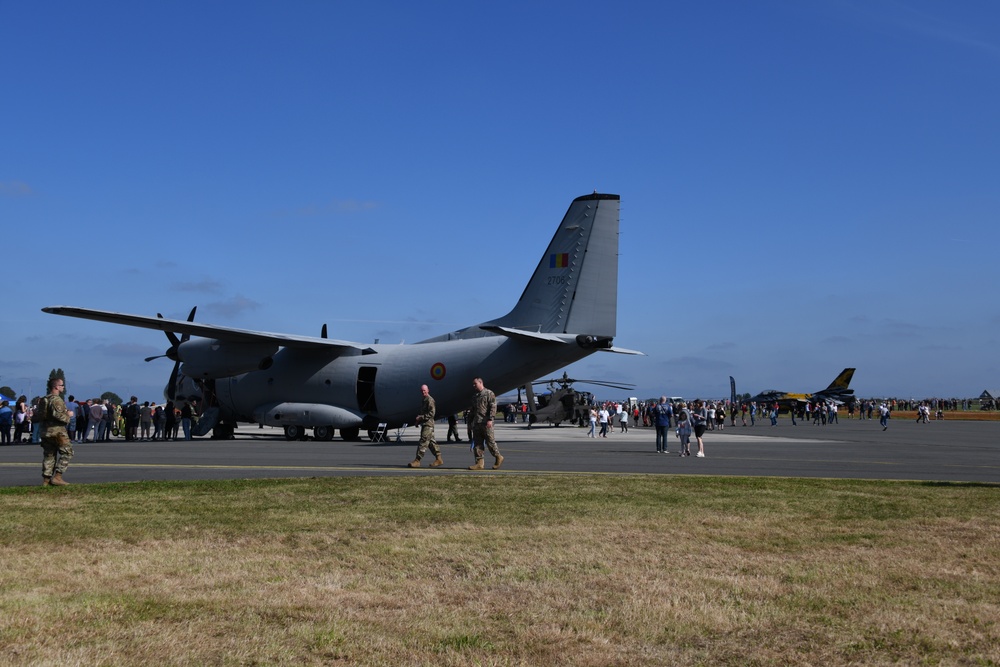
x=232, y=307
x=924, y=23
x=699, y=364
x=15, y=189
x=127, y=350
x=206, y=286
x=905, y=17
x=334, y=207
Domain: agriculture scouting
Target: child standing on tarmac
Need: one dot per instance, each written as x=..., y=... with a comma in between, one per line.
x=684, y=431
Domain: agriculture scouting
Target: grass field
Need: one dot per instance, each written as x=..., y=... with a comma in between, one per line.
x=501, y=570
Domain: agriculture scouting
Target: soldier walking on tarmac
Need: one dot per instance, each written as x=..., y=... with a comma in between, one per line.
x=484, y=407
x=453, y=429
x=58, y=450
x=426, y=421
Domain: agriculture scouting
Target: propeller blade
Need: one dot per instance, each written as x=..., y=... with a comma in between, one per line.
x=171, y=336
x=171, y=353
x=322, y=334
x=187, y=337
x=172, y=382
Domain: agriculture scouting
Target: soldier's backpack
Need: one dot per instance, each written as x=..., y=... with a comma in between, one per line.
x=41, y=413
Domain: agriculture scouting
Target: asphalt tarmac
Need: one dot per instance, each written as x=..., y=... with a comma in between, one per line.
x=944, y=451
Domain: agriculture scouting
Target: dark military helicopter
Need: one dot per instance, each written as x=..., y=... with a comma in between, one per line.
x=562, y=403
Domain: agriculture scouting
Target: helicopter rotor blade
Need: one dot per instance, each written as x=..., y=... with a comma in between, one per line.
x=601, y=383
x=613, y=385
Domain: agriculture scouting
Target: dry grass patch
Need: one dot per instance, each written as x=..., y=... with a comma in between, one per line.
x=502, y=570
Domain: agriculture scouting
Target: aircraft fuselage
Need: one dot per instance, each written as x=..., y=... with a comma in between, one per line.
x=385, y=386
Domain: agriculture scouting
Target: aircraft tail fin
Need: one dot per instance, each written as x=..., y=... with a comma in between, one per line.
x=842, y=381
x=574, y=289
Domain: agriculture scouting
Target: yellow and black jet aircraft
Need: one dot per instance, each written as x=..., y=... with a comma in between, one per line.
x=839, y=391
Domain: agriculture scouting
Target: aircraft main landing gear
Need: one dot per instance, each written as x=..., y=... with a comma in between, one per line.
x=323, y=433
x=295, y=433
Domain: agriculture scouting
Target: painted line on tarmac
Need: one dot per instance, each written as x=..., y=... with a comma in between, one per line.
x=666, y=472
x=195, y=466
x=399, y=470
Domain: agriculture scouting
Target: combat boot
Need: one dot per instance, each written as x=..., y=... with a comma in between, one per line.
x=57, y=480
x=415, y=463
x=499, y=461
x=437, y=462
x=478, y=466
x=46, y=481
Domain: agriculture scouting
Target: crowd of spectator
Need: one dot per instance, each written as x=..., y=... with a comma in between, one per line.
x=99, y=420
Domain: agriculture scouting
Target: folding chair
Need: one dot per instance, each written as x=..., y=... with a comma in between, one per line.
x=379, y=434
x=399, y=432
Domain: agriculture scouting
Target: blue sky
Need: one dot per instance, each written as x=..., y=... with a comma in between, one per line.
x=805, y=185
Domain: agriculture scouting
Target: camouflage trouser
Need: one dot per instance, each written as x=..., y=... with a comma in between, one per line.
x=55, y=446
x=483, y=435
x=427, y=440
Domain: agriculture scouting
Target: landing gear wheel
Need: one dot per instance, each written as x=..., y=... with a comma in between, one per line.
x=323, y=433
x=295, y=433
x=350, y=433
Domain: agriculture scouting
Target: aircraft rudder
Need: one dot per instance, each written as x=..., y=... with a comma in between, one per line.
x=574, y=288
x=842, y=381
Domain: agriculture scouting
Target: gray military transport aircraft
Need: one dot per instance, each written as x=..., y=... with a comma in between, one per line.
x=567, y=311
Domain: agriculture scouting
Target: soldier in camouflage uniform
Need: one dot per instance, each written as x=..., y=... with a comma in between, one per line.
x=484, y=408
x=426, y=421
x=58, y=451
x=453, y=428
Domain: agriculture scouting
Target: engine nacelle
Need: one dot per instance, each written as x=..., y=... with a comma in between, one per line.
x=210, y=359
x=594, y=342
x=306, y=414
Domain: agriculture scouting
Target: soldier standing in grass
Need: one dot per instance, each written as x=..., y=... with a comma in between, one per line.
x=484, y=407
x=426, y=421
x=58, y=451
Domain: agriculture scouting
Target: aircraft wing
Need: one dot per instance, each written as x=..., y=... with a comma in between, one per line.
x=206, y=330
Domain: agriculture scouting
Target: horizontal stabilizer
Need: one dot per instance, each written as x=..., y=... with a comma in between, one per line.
x=622, y=350
x=525, y=335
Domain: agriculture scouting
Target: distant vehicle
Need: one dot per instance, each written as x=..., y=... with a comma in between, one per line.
x=563, y=403
x=839, y=391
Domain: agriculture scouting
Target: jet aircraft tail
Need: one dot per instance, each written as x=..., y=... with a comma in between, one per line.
x=574, y=289
x=842, y=381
